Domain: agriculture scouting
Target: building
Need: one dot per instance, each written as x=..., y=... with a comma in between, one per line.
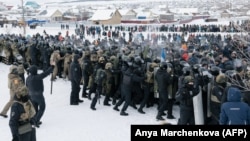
x=106, y=17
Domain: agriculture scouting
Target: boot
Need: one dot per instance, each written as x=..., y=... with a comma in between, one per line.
x=170, y=116
x=106, y=104
x=141, y=111
x=106, y=101
x=123, y=113
x=114, y=101
x=93, y=108
x=3, y=115
x=159, y=117
x=133, y=105
x=116, y=108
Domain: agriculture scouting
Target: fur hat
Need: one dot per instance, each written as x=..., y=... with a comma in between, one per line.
x=221, y=78
x=188, y=79
x=13, y=70
x=21, y=91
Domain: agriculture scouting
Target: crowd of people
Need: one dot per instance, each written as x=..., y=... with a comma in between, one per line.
x=134, y=73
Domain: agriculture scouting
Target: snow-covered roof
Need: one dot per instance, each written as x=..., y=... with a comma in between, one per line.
x=48, y=12
x=103, y=14
x=124, y=11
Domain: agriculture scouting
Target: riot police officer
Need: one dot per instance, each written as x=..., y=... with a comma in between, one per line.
x=163, y=80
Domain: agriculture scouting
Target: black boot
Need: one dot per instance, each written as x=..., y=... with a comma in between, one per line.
x=106, y=101
x=114, y=101
x=159, y=118
x=141, y=111
x=123, y=113
x=170, y=116
x=116, y=108
x=133, y=105
x=84, y=94
x=93, y=108
x=5, y=116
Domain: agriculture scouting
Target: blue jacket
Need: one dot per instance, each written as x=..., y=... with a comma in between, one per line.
x=234, y=111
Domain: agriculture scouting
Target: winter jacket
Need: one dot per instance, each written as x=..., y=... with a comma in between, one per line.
x=34, y=81
x=234, y=111
x=75, y=70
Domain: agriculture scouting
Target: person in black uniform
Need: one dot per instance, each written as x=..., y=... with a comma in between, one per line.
x=76, y=76
x=86, y=72
x=163, y=80
x=128, y=79
x=187, y=90
x=34, y=82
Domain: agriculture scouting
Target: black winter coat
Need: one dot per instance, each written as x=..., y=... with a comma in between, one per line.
x=34, y=81
x=75, y=71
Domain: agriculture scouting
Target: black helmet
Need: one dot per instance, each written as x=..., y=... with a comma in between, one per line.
x=196, y=68
x=215, y=70
x=163, y=65
x=186, y=70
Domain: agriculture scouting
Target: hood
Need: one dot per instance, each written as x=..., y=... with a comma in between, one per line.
x=33, y=70
x=234, y=95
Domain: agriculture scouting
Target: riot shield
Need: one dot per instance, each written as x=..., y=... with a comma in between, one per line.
x=156, y=93
x=198, y=108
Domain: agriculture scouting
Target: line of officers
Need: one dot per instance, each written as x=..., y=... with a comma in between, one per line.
x=129, y=79
x=124, y=77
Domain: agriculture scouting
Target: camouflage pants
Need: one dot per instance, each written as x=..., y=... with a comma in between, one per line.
x=9, y=103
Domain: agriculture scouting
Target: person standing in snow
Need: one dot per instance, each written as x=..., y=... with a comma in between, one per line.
x=14, y=81
x=22, y=111
x=34, y=82
x=75, y=78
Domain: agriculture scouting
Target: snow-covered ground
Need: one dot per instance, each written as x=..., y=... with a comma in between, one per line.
x=74, y=123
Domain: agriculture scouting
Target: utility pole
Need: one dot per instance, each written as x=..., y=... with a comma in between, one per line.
x=23, y=20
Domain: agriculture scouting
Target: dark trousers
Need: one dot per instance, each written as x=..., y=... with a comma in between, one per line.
x=163, y=99
x=127, y=99
x=39, y=104
x=74, y=96
x=186, y=116
x=30, y=136
x=97, y=95
x=144, y=101
x=85, y=84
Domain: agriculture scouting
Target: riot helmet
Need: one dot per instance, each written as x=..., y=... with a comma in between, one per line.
x=163, y=65
x=214, y=70
x=186, y=70
x=196, y=68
